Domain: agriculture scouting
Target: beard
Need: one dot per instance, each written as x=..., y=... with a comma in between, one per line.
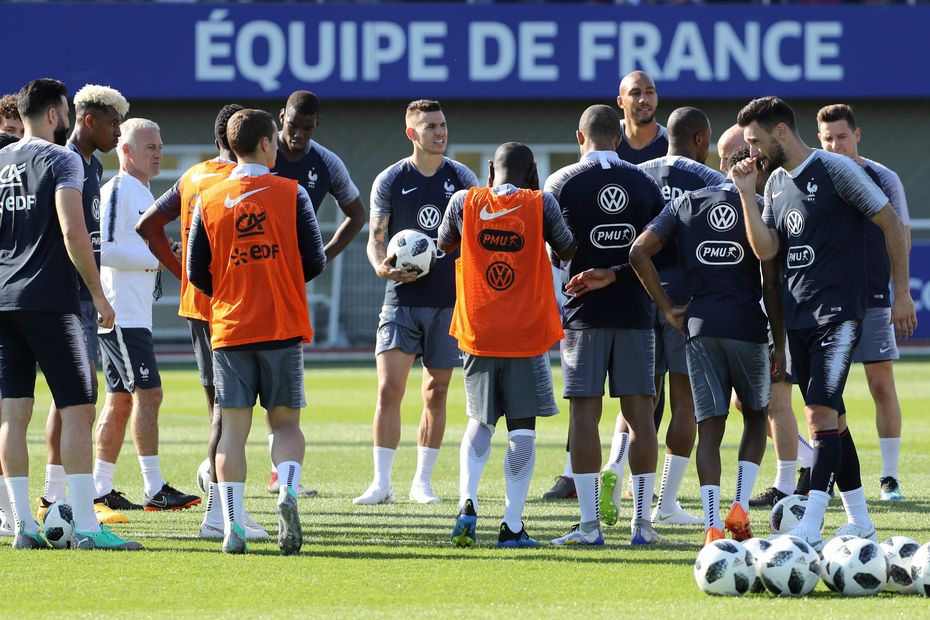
x=61, y=133
x=776, y=158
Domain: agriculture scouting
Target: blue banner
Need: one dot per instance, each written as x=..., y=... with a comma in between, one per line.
x=920, y=288
x=405, y=51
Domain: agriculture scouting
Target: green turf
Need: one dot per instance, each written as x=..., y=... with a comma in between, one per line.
x=396, y=560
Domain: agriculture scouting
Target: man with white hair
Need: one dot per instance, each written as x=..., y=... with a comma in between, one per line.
x=129, y=273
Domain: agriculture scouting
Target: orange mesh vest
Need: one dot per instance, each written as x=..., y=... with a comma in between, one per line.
x=258, y=279
x=504, y=300
x=194, y=304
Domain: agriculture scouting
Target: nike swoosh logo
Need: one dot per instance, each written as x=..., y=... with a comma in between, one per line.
x=197, y=177
x=406, y=191
x=827, y=343
x=141, y=212
x=487, y=215
x=884, y=349
x=230, y=203
x=777, y=194
x=162, y=503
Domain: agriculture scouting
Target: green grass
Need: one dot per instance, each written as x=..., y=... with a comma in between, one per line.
x=395, y=560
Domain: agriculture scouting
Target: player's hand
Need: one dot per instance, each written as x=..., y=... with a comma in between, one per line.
x=388, y=271
x=744, y=175
x=778, y=364
x=676, y=317
x=903, y=316
x=590, y=280
x=176, y=249
x=106, y=316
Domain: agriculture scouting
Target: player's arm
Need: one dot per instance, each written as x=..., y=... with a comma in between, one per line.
x=647, y=245
x=151, y=227
x=903, y=312
x=771, y=297
x=377, y=251
x=70, y=208
x=309, y=240
x=350, y=226
x=199, y=255
x=764, y=240
x=449, y=235
x=556, y=233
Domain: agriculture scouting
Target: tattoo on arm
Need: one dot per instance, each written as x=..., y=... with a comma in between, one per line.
x=377, y=244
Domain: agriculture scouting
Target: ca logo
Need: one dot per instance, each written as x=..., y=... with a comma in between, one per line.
x=794, y=222
x=428, y=217
x=722, y=217
x=12, y=175
x=612, y=199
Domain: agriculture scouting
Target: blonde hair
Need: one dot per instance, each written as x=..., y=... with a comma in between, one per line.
x=97, y=96
x=130, y=127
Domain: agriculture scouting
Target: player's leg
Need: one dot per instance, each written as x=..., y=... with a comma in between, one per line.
x=783, y=428
x=435, y=387
x=710, y=436
x=679, y=442
x=14, y=455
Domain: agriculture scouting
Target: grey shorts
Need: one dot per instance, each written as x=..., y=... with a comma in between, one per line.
x=511, y=387
x=877, y=343
x=88, y=316
x=717, y=365
x=423, y=332
x=200, y=338
x=129, y=360
x=624, y=356
x=670, y=347
x=274, y=376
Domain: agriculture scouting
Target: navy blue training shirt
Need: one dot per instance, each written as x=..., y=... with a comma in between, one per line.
x=878, y=267
x=320, y=172
x=90, y=194
x=657, y=148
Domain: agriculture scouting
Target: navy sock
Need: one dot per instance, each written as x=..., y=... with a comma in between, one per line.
x=849, y=476
x=828, y=458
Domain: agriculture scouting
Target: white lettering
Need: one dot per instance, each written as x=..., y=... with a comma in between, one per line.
x=687, y=53
x=639, y=46
x=297, y=52
x=816, y=51
x=771, y=51
x=728, y=47
x=348, y=57
x=590, y=50
x=421, y=50
x=207, y=48
x=19, y=203
x=266, y=75
x=479, y=67
x=374, y=55
x=533, y=50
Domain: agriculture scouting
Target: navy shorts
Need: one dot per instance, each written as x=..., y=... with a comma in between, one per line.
x=89, y=323
x=129, y=360
x=820, y=360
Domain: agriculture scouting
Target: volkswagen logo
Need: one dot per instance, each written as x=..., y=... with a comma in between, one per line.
x=722, y=217
x=95, y=208
x=428, y=217
x=794, y=222
x=499, y=276
x=612, y=199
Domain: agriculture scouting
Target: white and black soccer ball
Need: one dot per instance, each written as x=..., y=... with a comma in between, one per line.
x=757, y=548
x=413, y=250
x=787, y=513
x=899, y=550
x=724, y=567
x=790, y=567
x=204, y=476
x=58, y=525
x=857, y=568
x=832, y=545
x=920, y=570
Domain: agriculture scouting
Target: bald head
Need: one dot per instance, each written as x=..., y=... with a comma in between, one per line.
x=600, y=125
x=729, y=142
x=514, y=163
x=636, y=78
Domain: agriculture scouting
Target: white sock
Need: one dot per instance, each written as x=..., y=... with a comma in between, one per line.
x=426, y=460
x=214, y=512
x=817, y=502
x=151, y=474
x=5, y=506
x=672, y=474
x=588, y=488
x=232, y=494
x=805, y=453
x=746, y=474
x=567, y=472
x=857, y=512
x=519, y=463
x=473, y=456
x=103, y=477
x=618, y=453
x=784, y=476
x=643, y=487
x=710, y=498
x=384, y=464
x=18, y=489
x=891, y=448
x=54, y=483
x=274, y=469
x=83, y=492
x=289, y=474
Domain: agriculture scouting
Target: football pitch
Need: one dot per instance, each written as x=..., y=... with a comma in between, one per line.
x=396, y=560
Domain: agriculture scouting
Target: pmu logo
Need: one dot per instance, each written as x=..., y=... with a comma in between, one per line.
x=250, y=224
x=794, y=222
x=499, y=275
x=259, y=251
x=612, y=199
x=719, y=252
x=612, y=236
x=722, y=217
x=428, y=217
x=500, y=240
x=800, y=256
x=95, y=241
x=11, y=175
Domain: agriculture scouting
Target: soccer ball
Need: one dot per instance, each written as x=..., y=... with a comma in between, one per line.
x=724, y=567
x=790, y=567
x=787, y=513
x=203, y=476
x=832, y=545
x=756, y=547
x=858, y=568
x=413, y=250
x=59, y=525
x=920, y=570
x=899, y=550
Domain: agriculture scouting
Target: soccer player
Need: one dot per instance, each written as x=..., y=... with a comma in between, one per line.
x=727, y=343
x=728, y=143
x=320, y=172
x=47, y=249
x=254, y=237
x=98, y=113
x=10, y=121
x=816, y=203
x=415, y=318
x=838, y=133
x=606, y=203
x=505, y=320
x=178, y=202
x=129, y=273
